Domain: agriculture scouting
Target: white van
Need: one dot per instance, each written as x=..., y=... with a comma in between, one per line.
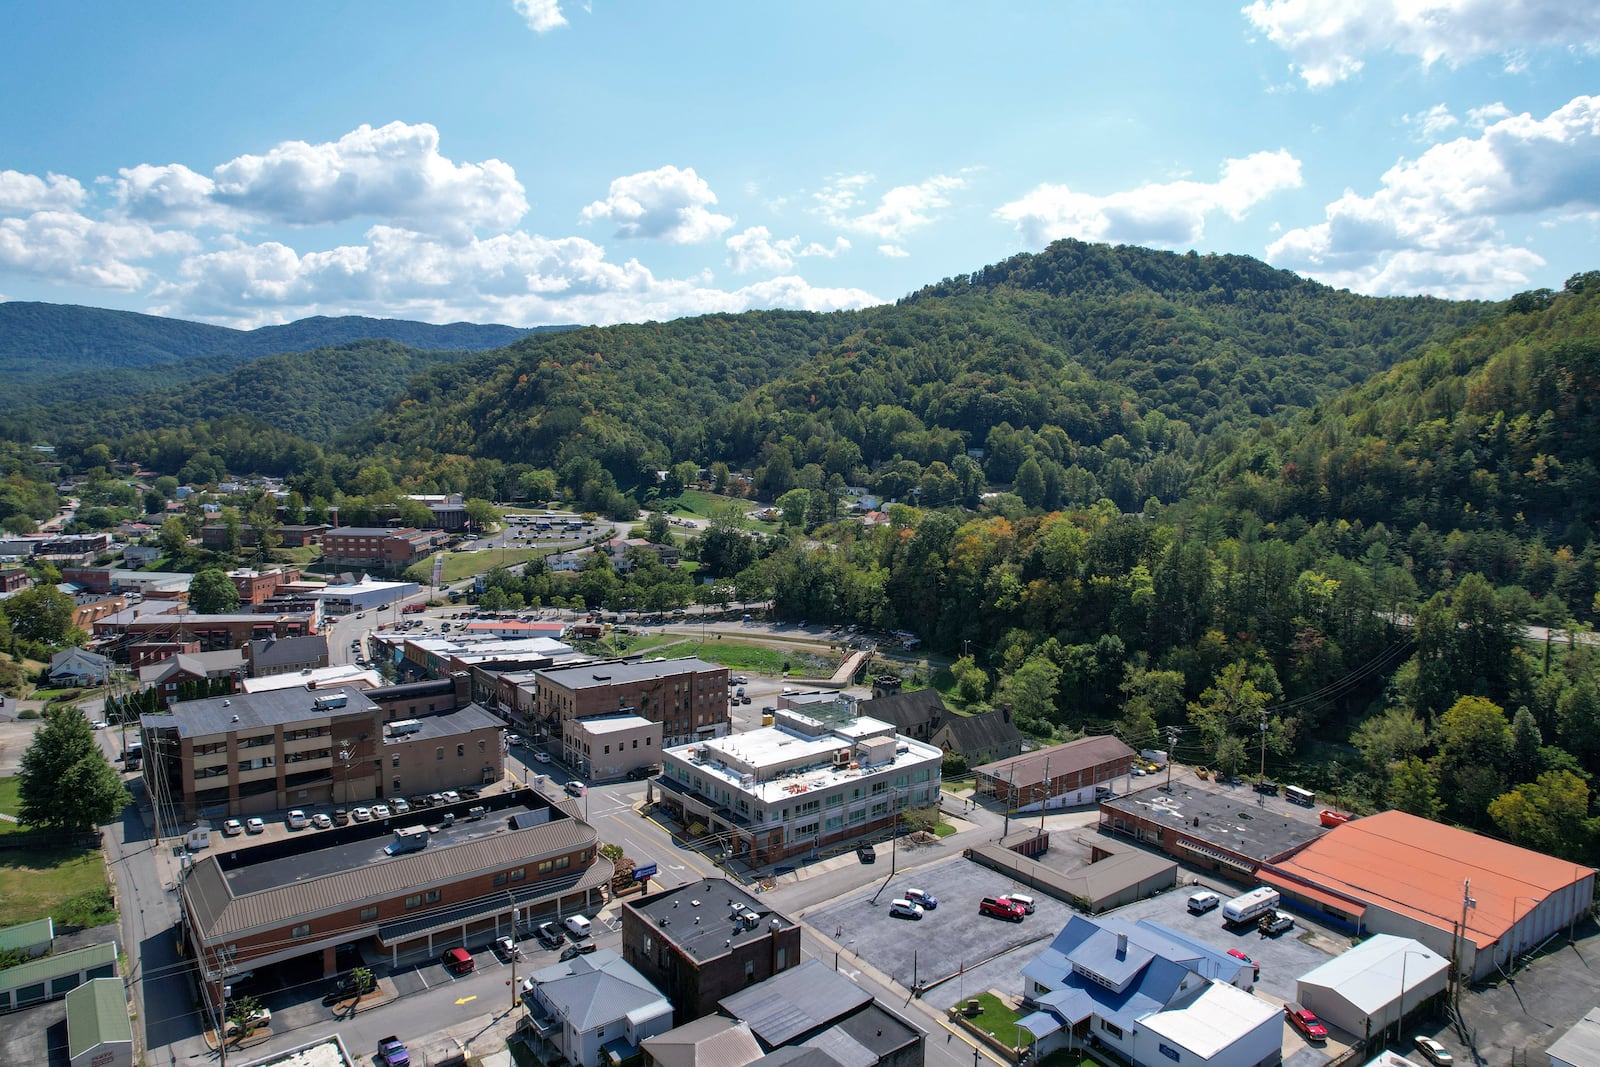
x=1203, y=901
x=1023, y=899
x=578, y=926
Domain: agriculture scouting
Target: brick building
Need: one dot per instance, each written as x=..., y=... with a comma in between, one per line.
x=740, y=941
x=688, y=697
x=1078, y=772
x=376, y=547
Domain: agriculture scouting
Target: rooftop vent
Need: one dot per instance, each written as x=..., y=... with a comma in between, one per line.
x=236, y=718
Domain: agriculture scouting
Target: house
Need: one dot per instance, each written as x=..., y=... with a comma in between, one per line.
x=286, y=655
x=812, y=1009
x=1148, y=994
x=596, y=1009
x=740, y=942
x=74, y=666
x=979, y=738
x=169, y=675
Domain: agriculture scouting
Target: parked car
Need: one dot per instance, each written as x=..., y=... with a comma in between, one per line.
x=401, y=805
x=254, y=826
x=576, y=789
x=458, y=960
x=297, y=820
x=867, y=854
x=506, y=947
x=1306, y=1022
x=233, y=828
x=639, y=774
x=380, y=811
x=922, y=898
x=340, y=817
x=1023, y=901
x=582, y=948
x=1001, y=908
x=904, y=909
x=1256, y=967
x=513, y=739
x=344, y=987
x=450, y=796
x=1203, y=901
x=321, y=821
x=549, y=935
x=361, y=814
x=256, y=1020
x=541, y=757
x=392, y=1053
x=469, y=793
x=1434, y=1052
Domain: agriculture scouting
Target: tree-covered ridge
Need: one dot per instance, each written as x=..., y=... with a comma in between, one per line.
x=316, y=395
x=1496, y=430
x=40, y=341
x=1073, y=358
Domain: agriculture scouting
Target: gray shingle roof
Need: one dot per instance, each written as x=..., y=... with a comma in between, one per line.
x=287, y=651
x=973, y=734
x=908, y=710
x=593, y=674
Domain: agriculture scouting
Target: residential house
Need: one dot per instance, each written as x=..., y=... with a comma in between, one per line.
x=711, y=1039
x=74, y=666
x=595, y=1009
x=169, y=675
x=812, y=1009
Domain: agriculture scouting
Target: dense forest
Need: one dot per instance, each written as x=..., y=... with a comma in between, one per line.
x=1190, y=499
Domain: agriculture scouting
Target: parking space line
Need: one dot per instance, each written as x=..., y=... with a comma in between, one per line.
x=422, y=976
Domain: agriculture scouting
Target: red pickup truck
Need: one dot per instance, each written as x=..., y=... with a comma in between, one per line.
x=1002, y=908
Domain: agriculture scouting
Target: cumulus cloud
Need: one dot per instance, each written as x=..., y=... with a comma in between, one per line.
x=23, y=194
x=667, y=204
x=1431, y=124
x=1327, y=40
x=65, y=246
x=540, y=15
x=1167, y=215
x=513, y=277
x=755, y=250
x=898, y=212
x=1433, y=225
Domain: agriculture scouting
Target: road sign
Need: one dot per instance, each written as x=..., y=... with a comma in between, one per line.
x=642, y=871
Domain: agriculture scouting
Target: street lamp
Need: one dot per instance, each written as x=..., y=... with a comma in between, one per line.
x=1400, y=1019
x=1511, y=935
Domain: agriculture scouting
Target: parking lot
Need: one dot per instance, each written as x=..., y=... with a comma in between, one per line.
x=947, y=940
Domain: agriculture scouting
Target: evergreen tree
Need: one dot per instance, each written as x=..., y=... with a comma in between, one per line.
x=66, y=782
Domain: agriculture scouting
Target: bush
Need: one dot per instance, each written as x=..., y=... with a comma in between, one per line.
x=31, y=713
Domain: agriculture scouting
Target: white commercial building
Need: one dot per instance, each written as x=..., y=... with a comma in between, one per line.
x=1374, y=984
x=800, y=783
x=1220, y=1025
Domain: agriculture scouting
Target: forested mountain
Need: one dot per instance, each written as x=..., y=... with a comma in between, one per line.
x=1108, y=367
x=41, y=341
x=315, y=395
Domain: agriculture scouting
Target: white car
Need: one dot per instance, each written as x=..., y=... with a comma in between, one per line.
x=361, y=814
x=904, y=909
x=450, y=796
x=255, y=826
x=98, y=724
x=541, y=757
x=297, y=820
x=380, y=811
x=321, y=821
x=1434, y=1052
x=233, y=828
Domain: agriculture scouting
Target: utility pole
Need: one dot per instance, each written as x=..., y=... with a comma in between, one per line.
x=1172, y=746
x=1461, y=941
x=1045, y=803
x=1263, y=775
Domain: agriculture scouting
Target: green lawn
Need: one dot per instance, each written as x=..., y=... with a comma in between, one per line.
x=459, y=565
x=10, y=803
x=997, y=1019
x=67, y=884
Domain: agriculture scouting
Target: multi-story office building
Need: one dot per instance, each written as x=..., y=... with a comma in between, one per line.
x=688, y=697
x=799, y=784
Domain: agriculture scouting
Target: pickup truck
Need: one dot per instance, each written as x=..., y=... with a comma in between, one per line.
x=1001, y=908
x=391, y=1053
x=1274, y=923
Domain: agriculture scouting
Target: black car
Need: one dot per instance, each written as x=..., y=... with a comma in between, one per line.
x=638, y=774
x=341, y=817
x=582, y=948
x=867, y=854
x=468, y=793
x=344, y=987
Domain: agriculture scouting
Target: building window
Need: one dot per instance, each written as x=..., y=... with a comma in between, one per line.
x=397, y=785
x=303, y=930
x=608, y=750
x=544, y=866
x=438, y=753
x=783, y=957
x=413, y=902
x=519, y=874
x=434, y=896
x=749, y=970
x=461, y=750
x=369, y=913
x=1111, y=1028
x=563, y=862
x=394, y=760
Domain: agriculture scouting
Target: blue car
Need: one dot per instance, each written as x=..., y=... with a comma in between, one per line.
x=922, y=897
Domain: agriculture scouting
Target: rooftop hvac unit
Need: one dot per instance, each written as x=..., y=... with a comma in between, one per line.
x=841, y=757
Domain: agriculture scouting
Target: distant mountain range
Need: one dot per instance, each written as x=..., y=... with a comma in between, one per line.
x=51, y=352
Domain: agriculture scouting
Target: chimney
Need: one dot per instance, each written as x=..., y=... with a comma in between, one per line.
x=1122, y=946
x=463, y=684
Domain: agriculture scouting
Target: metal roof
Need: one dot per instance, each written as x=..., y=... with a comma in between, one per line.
x=243, y=712
x=60, y=964
x=795, y=1002
x=26, y=935
x=1029, y=768
x=710, y=1041
x=1579, y=1046
x=1368, y=975
x=1213, y=1021
x=97, y=1012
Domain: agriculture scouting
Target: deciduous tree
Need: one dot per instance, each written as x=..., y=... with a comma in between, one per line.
x=66, y=782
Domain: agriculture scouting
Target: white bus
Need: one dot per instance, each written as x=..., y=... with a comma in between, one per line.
x=1250, y=906
x=1303, y=797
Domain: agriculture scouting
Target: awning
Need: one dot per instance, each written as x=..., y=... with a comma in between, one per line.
x=1320, y=897
x=1040, y=1024
x=1072, y=1004
x=1216, y=854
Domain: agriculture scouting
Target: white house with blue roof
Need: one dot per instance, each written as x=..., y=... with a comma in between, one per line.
x=595, y=1008
x=1151, y=995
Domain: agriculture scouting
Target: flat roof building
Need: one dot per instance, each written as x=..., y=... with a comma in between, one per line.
x=1399, y=874
x=609, y=747
x=799, y=784
x=1078, y=772
x=687, y=696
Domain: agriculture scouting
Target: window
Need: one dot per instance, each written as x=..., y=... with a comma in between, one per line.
x=783, y=958
x=519, y=874
x=608, y=750
x=394, y=760
x=1111, y=1028
x=749, y=970
x=434, y=896
x=303, y=930
x=500, y=879
x=414, y=902
x=563, y=862
x=438, y=753
x=396, y=785
x=369, y=913
x=461, y=750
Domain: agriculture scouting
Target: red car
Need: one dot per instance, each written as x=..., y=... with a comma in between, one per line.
x=1256, y=967
x=1307, y=1023
x=458, y=960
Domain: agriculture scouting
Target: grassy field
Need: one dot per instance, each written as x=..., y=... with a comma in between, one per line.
x=998, y=1020
x=459, y=565
x=67, y=884
x=737, y=655
x=10, y=803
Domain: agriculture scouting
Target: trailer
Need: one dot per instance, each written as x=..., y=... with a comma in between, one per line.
x=1248, y=907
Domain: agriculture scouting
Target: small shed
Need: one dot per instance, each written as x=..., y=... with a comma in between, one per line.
x=1377, y=982
x=1579, y=1046
x=99, y=1032
x=32, y=938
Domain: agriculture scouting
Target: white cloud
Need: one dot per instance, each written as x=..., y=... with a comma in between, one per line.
x=1433, y=225
x=900, y=210
x=512, y=277
x=1488, y=114
x=1327, y=40
x=64, y=246
x=1169, y=215
x=1433, y=123
x=893, y=251
x=755, y=250
x=541, y=15
x=666, y=203
x=23, y=194
x=171, y=195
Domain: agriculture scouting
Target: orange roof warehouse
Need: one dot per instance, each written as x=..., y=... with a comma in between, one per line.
x=1395, y=873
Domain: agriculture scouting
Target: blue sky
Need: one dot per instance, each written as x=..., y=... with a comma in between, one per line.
x=543, y=161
